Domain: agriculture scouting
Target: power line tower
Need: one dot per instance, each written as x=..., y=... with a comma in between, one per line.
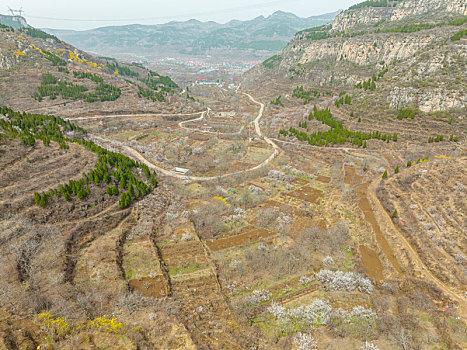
x=16, y=12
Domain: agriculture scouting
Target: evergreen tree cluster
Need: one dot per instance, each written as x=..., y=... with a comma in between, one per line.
x=115, y=67
x=337, y=134
x=440, y=138
x=85, y=75
x=37, y=33
x=343, y=99
x=371, y=3
x=157, y=87
x=370, y=84
x=459, y=35
x=277, y=101
x=306, y=95
x=56, y=61
x=112, y=169
x=422, y=160
x=435, y=138
x=150, y=94
x=52, y=87
x=406, y=113
x=30, y=127
x=162, y=80
x=6, y=28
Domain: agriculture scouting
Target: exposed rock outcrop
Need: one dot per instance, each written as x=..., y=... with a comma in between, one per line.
x=396, y=12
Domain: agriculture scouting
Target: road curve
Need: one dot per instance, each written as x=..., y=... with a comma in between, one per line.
x=166, y=172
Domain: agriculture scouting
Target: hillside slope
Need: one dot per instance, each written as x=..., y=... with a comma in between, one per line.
x=41, y=73
x=417, y=44
x=246, y=40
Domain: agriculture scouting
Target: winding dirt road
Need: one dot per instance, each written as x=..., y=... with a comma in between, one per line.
x=166, y=172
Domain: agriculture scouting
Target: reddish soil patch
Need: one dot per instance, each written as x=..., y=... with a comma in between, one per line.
x=150, y=287
x=350, y=176
x=176, y=255
x=365, y=207
x=324, y=179
x=322, y=224
x=308, y=194
x=300, y=224
x=250, y=234
x=284, y=208
x=371, y=263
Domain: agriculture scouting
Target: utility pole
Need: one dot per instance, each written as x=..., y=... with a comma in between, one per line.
x=16, y=12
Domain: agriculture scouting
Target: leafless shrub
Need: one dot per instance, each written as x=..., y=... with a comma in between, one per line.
x=305, y=341
x=460, y=259
x=328, y=261
x=266, y=217
x=369, y=346
x=339, y=280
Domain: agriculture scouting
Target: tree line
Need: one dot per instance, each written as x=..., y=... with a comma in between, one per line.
x=343, y=99
x=37, y=33
x=277, y=101
x=299, y=92
x=31, y=127
x=337, y=134
x=52, y=87
x=113, y=170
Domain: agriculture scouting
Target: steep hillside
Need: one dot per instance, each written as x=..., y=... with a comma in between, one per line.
x=39, y=72
x=243, y=40
x=415, y=43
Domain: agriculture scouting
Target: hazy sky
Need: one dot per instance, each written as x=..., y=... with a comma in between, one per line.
x=85, y=14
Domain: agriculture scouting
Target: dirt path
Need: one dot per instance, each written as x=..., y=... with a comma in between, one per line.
x=135, y=154
x=143, y=115
x=388, y=225
x=182, y=126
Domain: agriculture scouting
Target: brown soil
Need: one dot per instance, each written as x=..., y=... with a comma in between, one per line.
x=150, y=287
x=365, y=207
x=308, y=194
x=324, y=179
x=250, y=234
x=371, y=263
x=350, y=176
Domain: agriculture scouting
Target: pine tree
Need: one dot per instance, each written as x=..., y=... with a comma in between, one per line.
x=396, y=170
x=409, y=164
x=37, y=198
x=385, y=174
x=394, y=213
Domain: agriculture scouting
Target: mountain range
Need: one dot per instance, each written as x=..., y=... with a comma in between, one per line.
x=246, y=40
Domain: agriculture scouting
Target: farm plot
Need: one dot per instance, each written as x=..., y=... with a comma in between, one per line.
x=323, y=179
x=248, y=235
x=370, y=217
x=307, y=194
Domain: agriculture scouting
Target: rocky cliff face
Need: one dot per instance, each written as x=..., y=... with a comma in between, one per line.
x=362, y=50
x=426, y=68
x=372, y=15
x=418, y=7
x=426, y=100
